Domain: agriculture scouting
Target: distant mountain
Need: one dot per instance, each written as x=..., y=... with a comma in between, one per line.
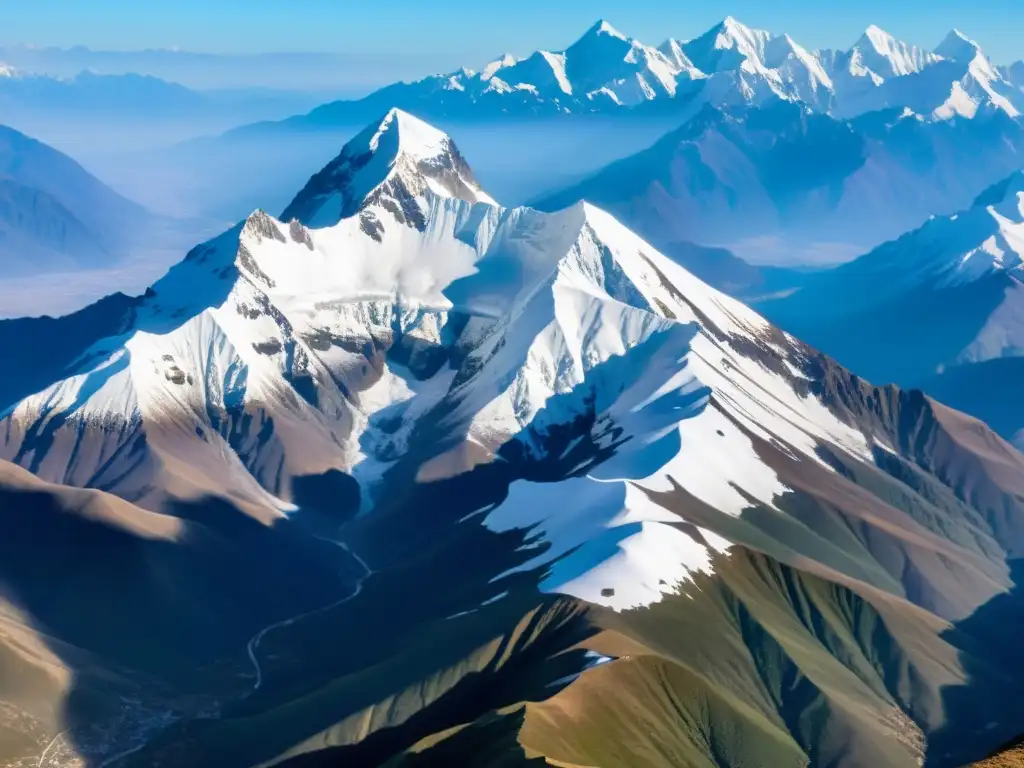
x=607, y=72
x=37, y=101
x=980, y=85
x=336, y=72
x=941, y=308
x=877, y=56
x=552, y=498
x=56, y=216
x=784, y=183
x=749, y=66
x=958, y=80
x=89, y=92
x=38, y=233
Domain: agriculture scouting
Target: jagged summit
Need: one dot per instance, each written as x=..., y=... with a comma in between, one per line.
x=879, y=39
x=603, y=40
x=876, y=33
x=602, y=27
x=958, y=46
x=726, y=46
x=400, y=132
x=399, y=157
x=980, y=87
x=493, y=67
x=603, y=67
x=885, y=56
x=727, y=29
x=733, y=24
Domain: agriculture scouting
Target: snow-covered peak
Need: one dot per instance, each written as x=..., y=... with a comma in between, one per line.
x=962, y=49
x=785, y=54
x=884, y=55
x=603, y=67
x=493, y=67
x=401, y=133
x=727, y=46
x=956, y=81
x=602, y=27
x=752, y=66
x=881, y=42
x=738, y=30
x=606, y=63
x=879, y=38
x=1002, y=250
x=979, y=84
x=396, y=159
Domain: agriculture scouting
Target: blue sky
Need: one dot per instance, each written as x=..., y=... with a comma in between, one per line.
x=454, y=32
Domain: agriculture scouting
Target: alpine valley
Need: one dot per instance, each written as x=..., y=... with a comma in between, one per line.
x=404, y=477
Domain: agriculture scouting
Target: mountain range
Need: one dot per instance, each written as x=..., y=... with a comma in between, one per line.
x=404, y=477
x=36, y=102
x=88, y=92
x=605, y=72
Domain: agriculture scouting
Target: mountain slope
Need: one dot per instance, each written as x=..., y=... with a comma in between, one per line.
x=56, y=216
x=37, y=232
x=560, y=467
x=939, y=308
